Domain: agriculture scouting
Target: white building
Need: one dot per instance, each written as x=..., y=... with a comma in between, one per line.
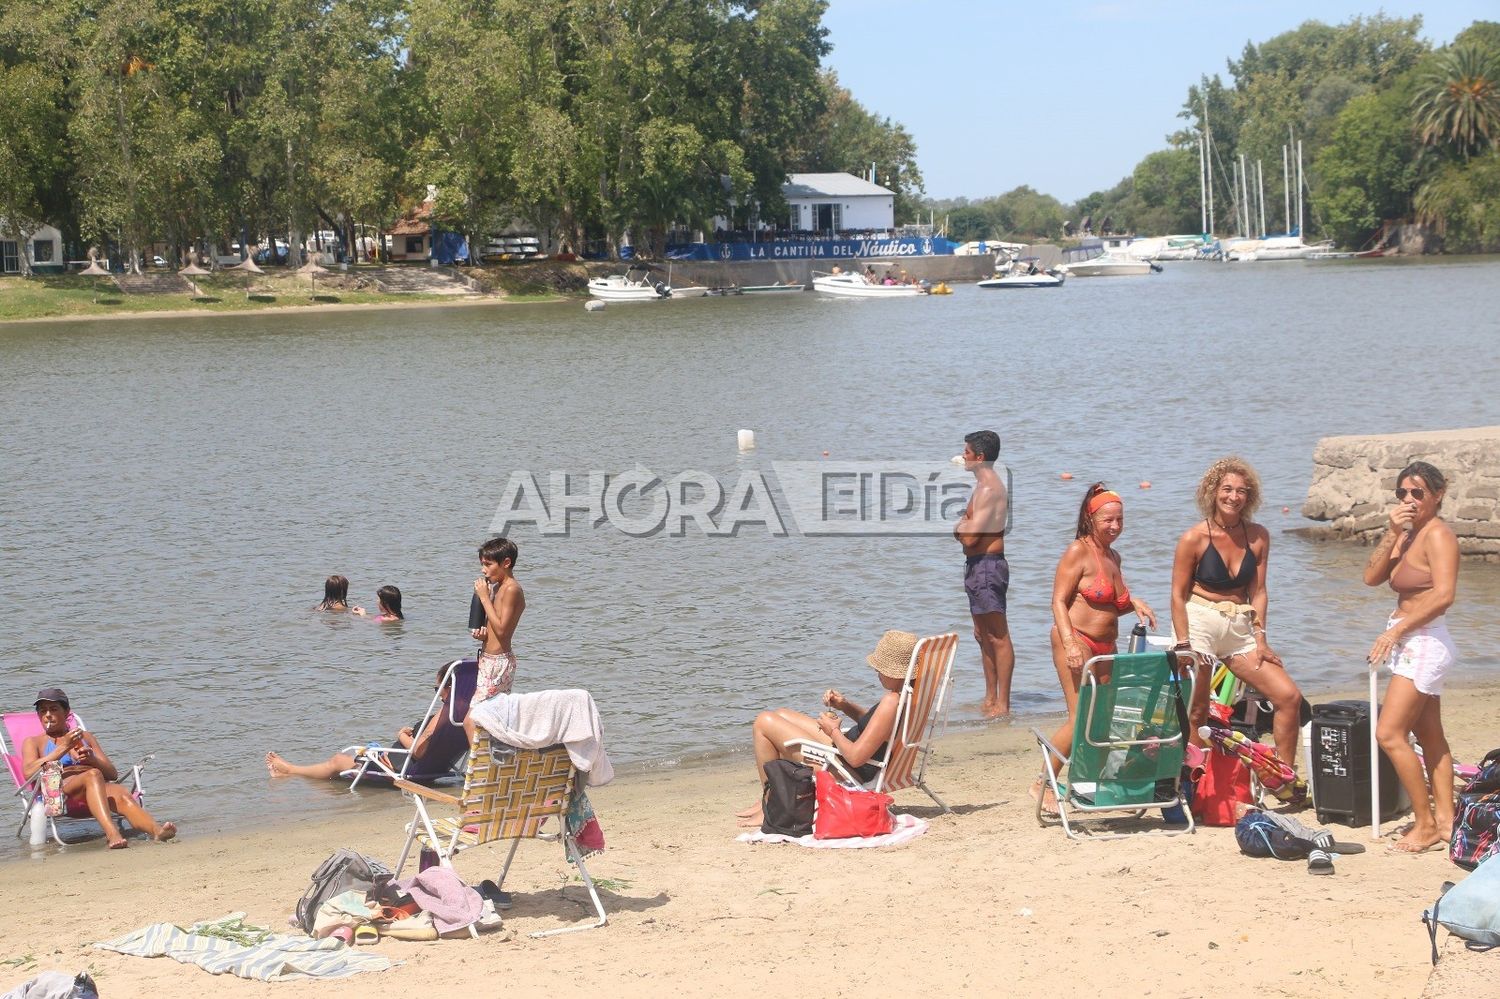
x=44, y=251
x=837, y=202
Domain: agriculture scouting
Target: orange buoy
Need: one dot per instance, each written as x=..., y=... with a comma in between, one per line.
x=1286, y=509
x=1065, y=476
x=825, y=454
x=1145, y=484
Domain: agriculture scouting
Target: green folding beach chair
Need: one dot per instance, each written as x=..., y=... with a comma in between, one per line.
x=1128, y=739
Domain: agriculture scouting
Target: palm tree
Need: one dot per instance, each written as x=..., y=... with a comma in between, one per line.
x=1457, y=101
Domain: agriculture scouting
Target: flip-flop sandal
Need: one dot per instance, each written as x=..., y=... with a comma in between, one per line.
x=364, y=935
x=1319, y=862
x=1429, y=848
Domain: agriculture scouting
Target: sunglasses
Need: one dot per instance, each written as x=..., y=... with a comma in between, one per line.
x=1416, y=492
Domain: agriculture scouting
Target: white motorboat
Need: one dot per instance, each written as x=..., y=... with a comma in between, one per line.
x=852, y=284
x=771, y=289
x=1023, y=272
x=692, y=291
x=1091, y=259
x=635, y=285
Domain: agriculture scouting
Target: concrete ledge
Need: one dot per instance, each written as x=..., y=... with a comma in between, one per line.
x=1354, y=478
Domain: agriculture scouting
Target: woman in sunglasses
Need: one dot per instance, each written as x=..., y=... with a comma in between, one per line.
x=1418, y=557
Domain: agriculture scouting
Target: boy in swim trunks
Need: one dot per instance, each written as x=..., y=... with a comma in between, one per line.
x=503, y=601
x=981, y=532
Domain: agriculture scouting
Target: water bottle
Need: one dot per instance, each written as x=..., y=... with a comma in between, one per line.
x=38, y=824
x=1137, y=641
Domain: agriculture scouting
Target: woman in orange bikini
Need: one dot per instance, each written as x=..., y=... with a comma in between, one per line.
x=1418, y=557
x=1088, y=596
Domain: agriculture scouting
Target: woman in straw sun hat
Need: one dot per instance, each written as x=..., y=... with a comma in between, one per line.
x=861, y=743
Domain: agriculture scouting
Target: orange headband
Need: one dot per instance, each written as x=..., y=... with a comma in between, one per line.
x=1105, y=498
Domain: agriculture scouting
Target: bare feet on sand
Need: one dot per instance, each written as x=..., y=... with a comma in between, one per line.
x=165, y=831
x=1041, y=791
x=993, y=708
x=119, y=844
x=751, y=818
x=1418, y=840
x=277, y=766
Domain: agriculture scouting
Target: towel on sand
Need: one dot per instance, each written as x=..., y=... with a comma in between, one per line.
x=545, y=718
x=226, y=944
x=908, y=827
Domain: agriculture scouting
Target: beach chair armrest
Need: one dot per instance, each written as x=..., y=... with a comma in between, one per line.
x=1047, y=747
x=428, y=793
x=825, y=757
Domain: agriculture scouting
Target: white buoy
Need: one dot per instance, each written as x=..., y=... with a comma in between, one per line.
x=747, y=440
x=593, y=305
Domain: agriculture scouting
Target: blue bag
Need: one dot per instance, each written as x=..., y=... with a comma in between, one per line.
x=1259, y=836
x=1473, y=909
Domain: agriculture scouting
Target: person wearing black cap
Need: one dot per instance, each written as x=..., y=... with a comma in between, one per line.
x=87, y=773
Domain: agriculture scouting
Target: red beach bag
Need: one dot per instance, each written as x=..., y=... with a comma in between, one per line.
x=1225, y=783
x=843, y=812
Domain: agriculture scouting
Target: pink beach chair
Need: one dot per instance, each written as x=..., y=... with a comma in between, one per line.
x=919, y=715
x=22, y=725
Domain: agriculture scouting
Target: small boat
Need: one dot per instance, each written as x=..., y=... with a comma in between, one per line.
x=771, y=289
x=852, y=284
x=941, y=288
x=635, y=285
x=1091, y=259
x=692, y=291
x=1023, y=273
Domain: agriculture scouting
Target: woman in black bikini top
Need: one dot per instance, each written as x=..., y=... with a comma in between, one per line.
x=1222, y=615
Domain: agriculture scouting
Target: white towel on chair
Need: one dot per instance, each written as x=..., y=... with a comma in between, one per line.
x=545, y=718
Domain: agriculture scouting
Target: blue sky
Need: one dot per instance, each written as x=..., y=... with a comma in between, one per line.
x=1064, y=96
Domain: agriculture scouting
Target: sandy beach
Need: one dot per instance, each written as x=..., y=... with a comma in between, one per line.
x=985, y=901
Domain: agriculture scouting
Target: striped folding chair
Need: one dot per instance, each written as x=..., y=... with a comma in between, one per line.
x=919, y=713
x=508, y=794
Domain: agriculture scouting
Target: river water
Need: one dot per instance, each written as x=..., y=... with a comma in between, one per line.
x=175, y=491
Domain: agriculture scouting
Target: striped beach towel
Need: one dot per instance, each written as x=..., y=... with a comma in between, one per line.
x=227, y=945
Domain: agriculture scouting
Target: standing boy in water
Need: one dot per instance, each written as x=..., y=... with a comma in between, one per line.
x=981, y=531
x=503, y=602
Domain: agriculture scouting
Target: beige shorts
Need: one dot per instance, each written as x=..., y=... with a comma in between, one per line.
x=1215, y=630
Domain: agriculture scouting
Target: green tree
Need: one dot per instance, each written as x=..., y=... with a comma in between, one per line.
x=1368, y=169
x=1457, y=100
x=1462, y=202
x=32, y=150
x=848, y=138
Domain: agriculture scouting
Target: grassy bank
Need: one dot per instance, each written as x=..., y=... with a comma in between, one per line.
x=70, y=296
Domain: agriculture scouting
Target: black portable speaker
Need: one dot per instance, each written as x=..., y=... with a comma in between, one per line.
x=1341, y=766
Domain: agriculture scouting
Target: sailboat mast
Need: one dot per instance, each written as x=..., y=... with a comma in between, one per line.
x=1286, y=183
x=1299, y=187
x=1202, y=189
x=1208, y=159
x=1244, y=193
x=1260, y=183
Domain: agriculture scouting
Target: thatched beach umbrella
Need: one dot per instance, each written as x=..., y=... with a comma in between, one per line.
x=93, y=270
x=191, y=271
x=312, y=269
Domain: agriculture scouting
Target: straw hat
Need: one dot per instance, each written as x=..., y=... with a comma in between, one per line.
x=893, y=653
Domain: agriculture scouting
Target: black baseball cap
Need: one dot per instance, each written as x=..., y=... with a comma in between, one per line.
x=54, y=694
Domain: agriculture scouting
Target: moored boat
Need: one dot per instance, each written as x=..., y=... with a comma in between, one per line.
x=1023, y=272
x=852, y=284
x=635, y=285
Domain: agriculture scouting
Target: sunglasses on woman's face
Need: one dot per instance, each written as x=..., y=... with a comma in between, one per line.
x=1416, y=492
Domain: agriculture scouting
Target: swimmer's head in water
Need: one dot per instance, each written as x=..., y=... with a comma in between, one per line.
x=335, y=590
x=390, y=601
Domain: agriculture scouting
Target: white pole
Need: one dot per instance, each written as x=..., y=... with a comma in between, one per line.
x=1286, y=181
x=1374, y=754
x=1202, y=188
x=1208, y=159
x=1260, y=183
x=1245, y=195
x=1299, y=191
x=1234, y=187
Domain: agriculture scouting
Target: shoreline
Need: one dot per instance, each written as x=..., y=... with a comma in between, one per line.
x=694, y=911
x=426, y=303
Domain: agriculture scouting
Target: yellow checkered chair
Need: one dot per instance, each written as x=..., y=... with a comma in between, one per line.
x=508, y=794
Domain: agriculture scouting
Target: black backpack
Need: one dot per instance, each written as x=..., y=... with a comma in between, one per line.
x=786, y=803
x=346, y=870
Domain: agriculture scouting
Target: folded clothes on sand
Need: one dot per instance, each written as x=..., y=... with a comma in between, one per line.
x=452, y=904
x=908, y=828
x=546, y=718
x=227, y=945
